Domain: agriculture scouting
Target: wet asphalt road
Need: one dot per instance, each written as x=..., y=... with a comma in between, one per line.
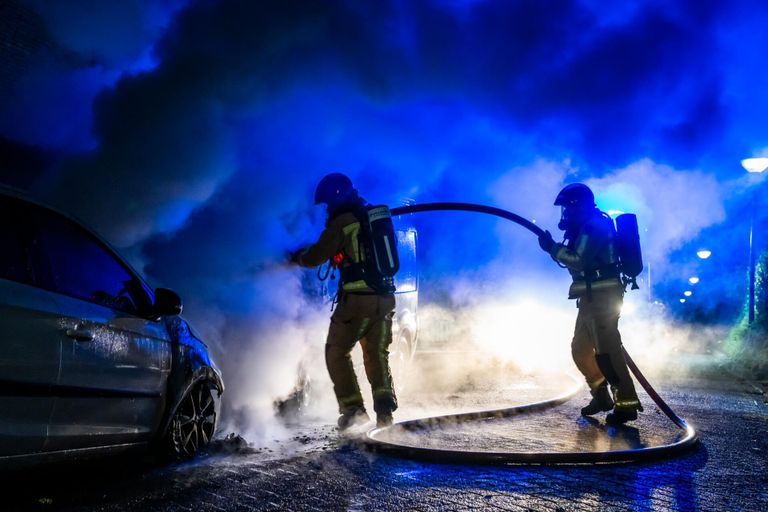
x=323, y=471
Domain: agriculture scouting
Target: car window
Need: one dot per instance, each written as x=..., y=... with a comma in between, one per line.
x=13, y=256
x=80, y=266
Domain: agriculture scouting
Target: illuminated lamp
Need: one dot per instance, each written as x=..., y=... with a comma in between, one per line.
x=755, y=165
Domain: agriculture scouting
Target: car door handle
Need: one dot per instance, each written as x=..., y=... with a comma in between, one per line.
x=80, y=334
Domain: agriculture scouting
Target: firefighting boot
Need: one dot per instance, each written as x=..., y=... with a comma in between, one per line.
x=383, y=419
x=384, y=406
x=601, y=401
x=621, y=416
x=352, y=416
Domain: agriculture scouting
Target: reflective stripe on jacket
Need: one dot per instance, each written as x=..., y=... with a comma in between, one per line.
x=339, y=235
x=591, y=257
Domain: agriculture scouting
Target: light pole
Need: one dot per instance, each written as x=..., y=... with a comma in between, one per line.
x=753, y=165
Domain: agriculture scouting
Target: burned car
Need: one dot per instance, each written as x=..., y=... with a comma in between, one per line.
x=405, y=327
x=91, y=358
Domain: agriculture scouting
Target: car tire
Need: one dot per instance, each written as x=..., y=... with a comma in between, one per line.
x=401, y=361
x=193, y=423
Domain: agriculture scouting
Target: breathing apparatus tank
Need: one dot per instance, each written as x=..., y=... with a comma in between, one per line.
x=628, y=249
x=379, y=261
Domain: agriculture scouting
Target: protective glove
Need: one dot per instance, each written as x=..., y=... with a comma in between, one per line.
x=293, y=256
x=546, y=242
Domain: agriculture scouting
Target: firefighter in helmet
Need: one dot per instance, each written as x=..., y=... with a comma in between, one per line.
x=589, y=254
x=362, y=314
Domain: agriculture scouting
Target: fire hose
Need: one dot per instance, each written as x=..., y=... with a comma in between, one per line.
x=375, y=438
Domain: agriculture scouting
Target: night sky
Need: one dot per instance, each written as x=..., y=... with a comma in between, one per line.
x=192, y=133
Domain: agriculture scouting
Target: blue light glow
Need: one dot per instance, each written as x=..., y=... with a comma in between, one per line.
x=192, y=135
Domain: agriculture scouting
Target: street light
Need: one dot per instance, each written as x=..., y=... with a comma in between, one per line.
x=687, y=293
x=755, y=166
x=703, y=253
x=693, y=280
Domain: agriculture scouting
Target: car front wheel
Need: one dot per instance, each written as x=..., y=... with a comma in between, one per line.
x=193, y=423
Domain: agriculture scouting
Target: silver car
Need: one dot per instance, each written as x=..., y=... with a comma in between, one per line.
x=91, y=358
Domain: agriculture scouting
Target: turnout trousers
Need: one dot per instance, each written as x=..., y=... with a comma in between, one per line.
x=597, y=349
x=367, y=319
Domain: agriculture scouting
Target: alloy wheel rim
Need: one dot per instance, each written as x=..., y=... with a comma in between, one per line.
x=196, y=419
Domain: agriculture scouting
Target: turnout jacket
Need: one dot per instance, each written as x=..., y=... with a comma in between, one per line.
x=590, y=256
x=340, y=237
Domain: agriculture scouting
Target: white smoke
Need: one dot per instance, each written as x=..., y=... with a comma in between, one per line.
x=214, y=159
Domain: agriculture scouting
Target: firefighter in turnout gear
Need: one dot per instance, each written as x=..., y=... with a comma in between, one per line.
x=362, y=314
x=589, y=254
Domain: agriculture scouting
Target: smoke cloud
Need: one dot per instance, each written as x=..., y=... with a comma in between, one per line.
x=192, y=134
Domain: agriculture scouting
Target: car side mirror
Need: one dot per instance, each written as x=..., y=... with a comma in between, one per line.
x=167, y=302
